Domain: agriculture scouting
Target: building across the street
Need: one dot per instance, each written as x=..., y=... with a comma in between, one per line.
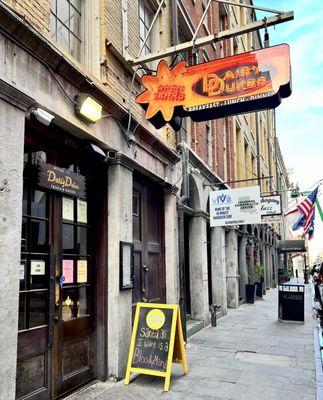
x=100, y=211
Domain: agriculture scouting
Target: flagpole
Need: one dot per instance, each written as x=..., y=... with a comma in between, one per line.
x=318, y=205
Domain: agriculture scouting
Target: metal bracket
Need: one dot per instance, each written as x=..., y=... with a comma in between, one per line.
x=199, y=42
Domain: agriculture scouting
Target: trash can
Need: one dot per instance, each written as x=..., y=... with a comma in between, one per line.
x=291, y=302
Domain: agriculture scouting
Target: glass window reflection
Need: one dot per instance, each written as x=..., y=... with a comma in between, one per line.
x=38, y=204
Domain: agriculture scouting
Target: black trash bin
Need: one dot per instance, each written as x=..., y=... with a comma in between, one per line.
x=291, y=302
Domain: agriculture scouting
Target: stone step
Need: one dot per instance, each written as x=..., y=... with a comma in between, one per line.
x=193, y=326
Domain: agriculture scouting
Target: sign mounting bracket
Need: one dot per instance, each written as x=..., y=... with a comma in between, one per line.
x=199, y=42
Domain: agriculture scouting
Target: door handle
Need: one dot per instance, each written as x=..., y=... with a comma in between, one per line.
x=58, y=319
x=145, y=268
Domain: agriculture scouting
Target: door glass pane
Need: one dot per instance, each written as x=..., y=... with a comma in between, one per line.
x=22, y=274
x=83, y=302
x=68, y=238
x=82, y=240
x=69, y=303
x=22, y=312
x=38, y=236
x=38, y=204
x=37, y=309
x=38, y=156
x=24, y=201
x=24, y=235
x=38, y=274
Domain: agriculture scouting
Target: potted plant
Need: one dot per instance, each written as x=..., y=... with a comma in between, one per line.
x=251, y=287
x=259, y=273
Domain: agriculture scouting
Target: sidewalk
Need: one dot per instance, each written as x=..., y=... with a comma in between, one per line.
x=249, y=355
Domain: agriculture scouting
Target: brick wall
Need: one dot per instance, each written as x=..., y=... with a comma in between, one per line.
x=36, y=12
x=222, y=158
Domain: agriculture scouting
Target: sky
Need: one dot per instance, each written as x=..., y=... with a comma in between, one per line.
x=300, y=117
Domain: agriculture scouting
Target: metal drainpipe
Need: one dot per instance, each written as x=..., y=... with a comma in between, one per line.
x=174, y=23
x=181, y=242
x=181, y=202
x=258, y=147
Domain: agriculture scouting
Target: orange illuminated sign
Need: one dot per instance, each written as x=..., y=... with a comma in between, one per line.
x=243, y=83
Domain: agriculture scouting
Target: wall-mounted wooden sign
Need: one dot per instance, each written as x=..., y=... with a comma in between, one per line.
x=156, y=341
x=233, y=85
x=61, y=180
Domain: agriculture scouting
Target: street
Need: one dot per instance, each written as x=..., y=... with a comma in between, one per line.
x=249, y=355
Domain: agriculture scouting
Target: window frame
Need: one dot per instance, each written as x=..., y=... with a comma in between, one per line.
x=76, y=52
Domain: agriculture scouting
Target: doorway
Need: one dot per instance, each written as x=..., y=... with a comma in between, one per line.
x=148, y=240
x=58, y=273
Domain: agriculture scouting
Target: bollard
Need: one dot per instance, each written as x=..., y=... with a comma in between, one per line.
x=213, y=308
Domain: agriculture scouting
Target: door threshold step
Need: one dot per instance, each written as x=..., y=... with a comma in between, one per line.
x=193, y=326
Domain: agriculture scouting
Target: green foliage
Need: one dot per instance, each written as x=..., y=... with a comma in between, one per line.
x=259, y=270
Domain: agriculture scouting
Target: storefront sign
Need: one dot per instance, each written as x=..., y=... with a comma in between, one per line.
x=156, y=341
x=235, y=206
x=233, y=85
x=291, y=246
x=270, y=205
x=61, y=180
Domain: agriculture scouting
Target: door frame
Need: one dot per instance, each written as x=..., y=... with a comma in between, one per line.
x=55, y=137
x=144, y=185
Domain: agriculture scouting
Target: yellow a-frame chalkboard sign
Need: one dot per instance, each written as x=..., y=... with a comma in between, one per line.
x=156, y=341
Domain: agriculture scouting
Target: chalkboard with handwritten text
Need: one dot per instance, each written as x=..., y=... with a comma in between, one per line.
x=152, y=339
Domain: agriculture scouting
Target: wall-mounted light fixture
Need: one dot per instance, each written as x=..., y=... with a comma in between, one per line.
x=87, y=107
x=42, y=116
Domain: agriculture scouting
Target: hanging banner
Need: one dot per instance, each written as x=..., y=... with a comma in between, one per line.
x=233, y=85
x=270, y=205
x=235, y=206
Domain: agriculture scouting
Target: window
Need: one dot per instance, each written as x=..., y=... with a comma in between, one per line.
x=65, y=25
x=145, y=19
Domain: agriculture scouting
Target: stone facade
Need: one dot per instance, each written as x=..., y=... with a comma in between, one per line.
x=205, y=155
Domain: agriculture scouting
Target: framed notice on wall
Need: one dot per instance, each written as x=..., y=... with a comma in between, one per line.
x=126, y=266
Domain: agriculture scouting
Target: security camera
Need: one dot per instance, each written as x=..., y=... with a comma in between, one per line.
x=111, y=155
x=42, y=116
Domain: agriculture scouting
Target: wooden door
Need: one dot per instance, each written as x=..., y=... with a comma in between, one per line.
x=74, y=320
x=148, y=239
x=35, y=280
x=56, y=337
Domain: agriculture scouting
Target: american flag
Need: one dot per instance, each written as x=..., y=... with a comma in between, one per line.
x=306, y=212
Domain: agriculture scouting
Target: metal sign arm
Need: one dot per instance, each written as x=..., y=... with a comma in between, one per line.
x=231, y=3
x=201, y=21
x=227, y=34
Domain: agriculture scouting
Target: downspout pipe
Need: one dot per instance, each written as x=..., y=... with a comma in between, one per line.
x=258, y=148
x=181, y=205
x=174, y=23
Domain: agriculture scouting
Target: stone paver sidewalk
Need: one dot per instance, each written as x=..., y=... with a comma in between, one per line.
x=249, y=355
